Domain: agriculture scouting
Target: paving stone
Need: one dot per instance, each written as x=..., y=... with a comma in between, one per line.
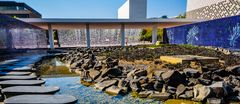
x=10, y=83
x=14, y=73
x=41, y=99
x=19, y=90
x=180, y=59
x=24, y=68
x=2, y=78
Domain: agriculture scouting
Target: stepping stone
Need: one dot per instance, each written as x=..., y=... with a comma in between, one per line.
x=2, y=78
x=9, y=83
x=15, y=73
x=20, y=90
x=181, y=59
x=25, y=68
x=41, y=99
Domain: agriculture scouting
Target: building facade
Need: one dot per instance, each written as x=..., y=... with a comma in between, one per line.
x=133, y=9
x=212, y=9
x=19, y=10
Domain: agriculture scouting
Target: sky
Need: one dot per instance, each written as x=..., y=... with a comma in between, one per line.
x=101, y=8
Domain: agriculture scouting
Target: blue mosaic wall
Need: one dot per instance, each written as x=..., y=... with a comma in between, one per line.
x=223, y=32
x=16, y=34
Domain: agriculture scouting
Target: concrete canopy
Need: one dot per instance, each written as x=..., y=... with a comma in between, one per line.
x=106, y=23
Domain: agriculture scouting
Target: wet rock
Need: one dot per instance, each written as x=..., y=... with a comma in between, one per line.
x=215, y=101
x=144, y=94
x=180, y=90
x=191, y=73
x=105, y=84
x=94, y=74
x=173, y=78
x=201, y=92
x=135, y=85
x=160, y=96
x=235, y=70
x=234, y=98
x=112, y=72
x=113, y=90
x=221, y=73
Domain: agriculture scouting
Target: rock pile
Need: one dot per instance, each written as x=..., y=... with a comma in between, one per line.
x=208, y=85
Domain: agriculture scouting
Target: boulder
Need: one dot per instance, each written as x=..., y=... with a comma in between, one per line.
x=180, y=90
x=111, y=62
x=160, y=96
x=112, y=72
x=113, y=90
x=105, y=84
x=158, y=86
x=135, y=85
x=188, y=95
x=94, y=74
x=144, y=94
x=98, y=65
x=173, y=78
x=215, y=101
x=191, y=73
x=141, y=73
x=204, y=81
x=235, y=70
x=201, y=92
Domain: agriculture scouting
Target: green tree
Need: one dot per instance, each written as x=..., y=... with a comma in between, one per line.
x=146, y=35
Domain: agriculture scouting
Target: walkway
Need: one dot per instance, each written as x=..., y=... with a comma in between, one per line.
x=18, y=79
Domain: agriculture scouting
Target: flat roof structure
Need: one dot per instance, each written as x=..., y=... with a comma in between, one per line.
x=58, y=23
x=55, y=23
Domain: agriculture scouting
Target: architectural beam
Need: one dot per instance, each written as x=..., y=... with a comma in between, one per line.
x=50, y=36
x=122, y=35
x=154, y=34
x=88, y=36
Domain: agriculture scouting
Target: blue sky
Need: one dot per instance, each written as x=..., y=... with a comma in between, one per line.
x=101, y=8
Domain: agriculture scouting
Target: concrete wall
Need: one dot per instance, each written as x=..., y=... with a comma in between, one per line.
x=133, y=9
x=212, y=9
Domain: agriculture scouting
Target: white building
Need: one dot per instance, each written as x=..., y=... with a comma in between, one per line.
x=133, y=9
x=212, y=9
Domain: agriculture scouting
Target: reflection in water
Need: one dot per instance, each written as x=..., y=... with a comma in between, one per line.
x=88, y=95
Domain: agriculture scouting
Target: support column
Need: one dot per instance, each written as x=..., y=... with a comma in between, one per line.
x=50, y=36
x=88, y=36
x=122, y=35
x=154, y=34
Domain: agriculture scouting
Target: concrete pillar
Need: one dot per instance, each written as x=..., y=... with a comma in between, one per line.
x=50, y=36
x=88, y=36
x=122, y=35
x=154, y=34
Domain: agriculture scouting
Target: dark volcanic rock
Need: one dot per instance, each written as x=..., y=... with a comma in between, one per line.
x=141, y=73
x=112, y=72
x=191, y=73
x=158, y=85
x=160, y=96
x=235, y=70
x=105, y=84
x=173, y=78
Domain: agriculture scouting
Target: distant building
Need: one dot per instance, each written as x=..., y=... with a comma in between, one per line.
x=19, y=10
x=212, y=9
x=133, y=9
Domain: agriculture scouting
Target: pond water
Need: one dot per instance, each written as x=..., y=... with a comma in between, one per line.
x=89, y=95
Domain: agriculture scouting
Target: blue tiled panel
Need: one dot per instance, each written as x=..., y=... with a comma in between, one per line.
x=16, y=34
x=223, y=32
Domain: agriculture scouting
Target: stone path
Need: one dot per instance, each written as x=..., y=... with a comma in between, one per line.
x=17, y=80
x=15, y=73
x=41, y=99
x=19, y=90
